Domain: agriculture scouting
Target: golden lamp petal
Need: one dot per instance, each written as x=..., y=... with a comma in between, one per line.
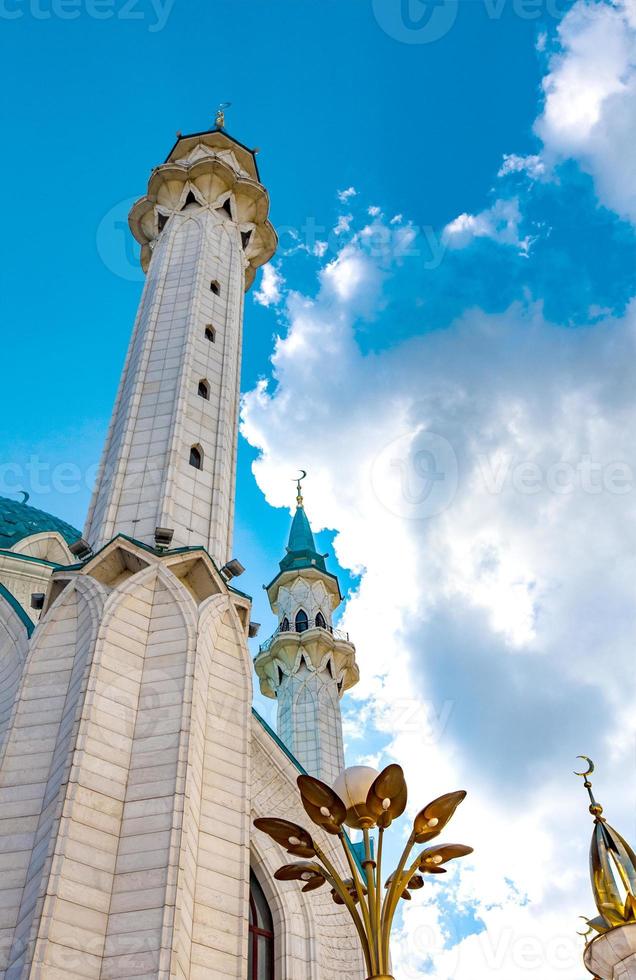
x=289, y=835
x=388, y=796
x=316, y=882
x=295, y=872
x=322, y=805
x=433, y=857
x=433, y=818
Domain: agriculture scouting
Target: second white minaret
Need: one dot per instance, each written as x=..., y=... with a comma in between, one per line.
x=170, y=455
x=307, y=664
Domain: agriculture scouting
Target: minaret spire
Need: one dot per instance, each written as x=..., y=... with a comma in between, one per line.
x=170, y=456
x=307, y=665
x=613, y=872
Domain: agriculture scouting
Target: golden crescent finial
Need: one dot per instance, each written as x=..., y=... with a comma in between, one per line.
x=299, y=490
x=589, y=771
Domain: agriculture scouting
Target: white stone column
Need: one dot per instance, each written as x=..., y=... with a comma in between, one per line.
x=204, y=229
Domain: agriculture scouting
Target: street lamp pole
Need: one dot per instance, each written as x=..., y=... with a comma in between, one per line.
x=365, y=800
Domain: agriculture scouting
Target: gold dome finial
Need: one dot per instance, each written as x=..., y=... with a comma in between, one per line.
x=612, y=867
x=219, y=121
x=299, y=490
x=595, y=808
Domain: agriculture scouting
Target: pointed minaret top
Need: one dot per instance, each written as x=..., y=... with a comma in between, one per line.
x=301, y=548
x=613, y=868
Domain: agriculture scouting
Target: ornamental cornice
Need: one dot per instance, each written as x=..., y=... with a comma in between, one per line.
x=216, y=185
x=316, y=647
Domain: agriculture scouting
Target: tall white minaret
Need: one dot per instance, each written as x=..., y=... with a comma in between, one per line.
x=170, y=455
x=307, y=665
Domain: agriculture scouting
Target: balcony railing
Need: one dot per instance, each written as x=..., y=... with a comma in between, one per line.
x=293, y=629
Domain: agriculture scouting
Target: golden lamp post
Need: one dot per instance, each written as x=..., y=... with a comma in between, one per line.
x=365, y=800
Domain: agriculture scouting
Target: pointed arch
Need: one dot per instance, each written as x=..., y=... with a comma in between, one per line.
x=203, y=389
x=301, y=621
x=321, y=622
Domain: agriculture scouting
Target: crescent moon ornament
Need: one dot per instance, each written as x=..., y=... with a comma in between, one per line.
x=589, y=771
x=585, y=934
x=25, y=496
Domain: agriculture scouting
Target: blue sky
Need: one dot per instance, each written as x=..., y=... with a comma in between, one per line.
x=473, y=305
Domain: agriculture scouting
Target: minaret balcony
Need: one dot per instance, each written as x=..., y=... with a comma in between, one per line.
x=311, y=626
x=319, y=647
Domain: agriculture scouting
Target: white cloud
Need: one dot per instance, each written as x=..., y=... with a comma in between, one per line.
x=590, y=99
x=495, y=628
x=343, y=224
x=271, y=288
x=534, y=166
x=344, y=196
x=373, y=210
x=499, y=223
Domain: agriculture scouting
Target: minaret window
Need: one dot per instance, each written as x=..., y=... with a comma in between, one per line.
x=227, y=207
x=284, y=626
x=196, y=457
x=162, y=221
x=320, y=621
x=260, y=956
x=210, y=333
x=302, y=622
x=204, y=390
x=215, y=287
x=245, y=238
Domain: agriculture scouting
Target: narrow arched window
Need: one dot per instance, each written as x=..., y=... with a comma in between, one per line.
x=215, y=286
x=204, y=390
x=284, y=626
x=196, y=457
x=261, y=941
x=302, y=622
x=210, y=333
x=320, y=621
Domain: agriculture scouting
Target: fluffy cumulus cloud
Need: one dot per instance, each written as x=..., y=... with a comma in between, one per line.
x=499, y=222
x=590, y=98
x=482, y=484
x=270, y=291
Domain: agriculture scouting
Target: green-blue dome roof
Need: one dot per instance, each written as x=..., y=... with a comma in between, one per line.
x=18, y=521
x=301, y=550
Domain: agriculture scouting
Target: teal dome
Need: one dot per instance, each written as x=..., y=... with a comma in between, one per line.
x=18, y=521
x=301, y=550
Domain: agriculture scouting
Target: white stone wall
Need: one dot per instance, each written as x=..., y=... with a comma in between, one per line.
x=314, y=938
x=124, y=784
x=146, y=478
